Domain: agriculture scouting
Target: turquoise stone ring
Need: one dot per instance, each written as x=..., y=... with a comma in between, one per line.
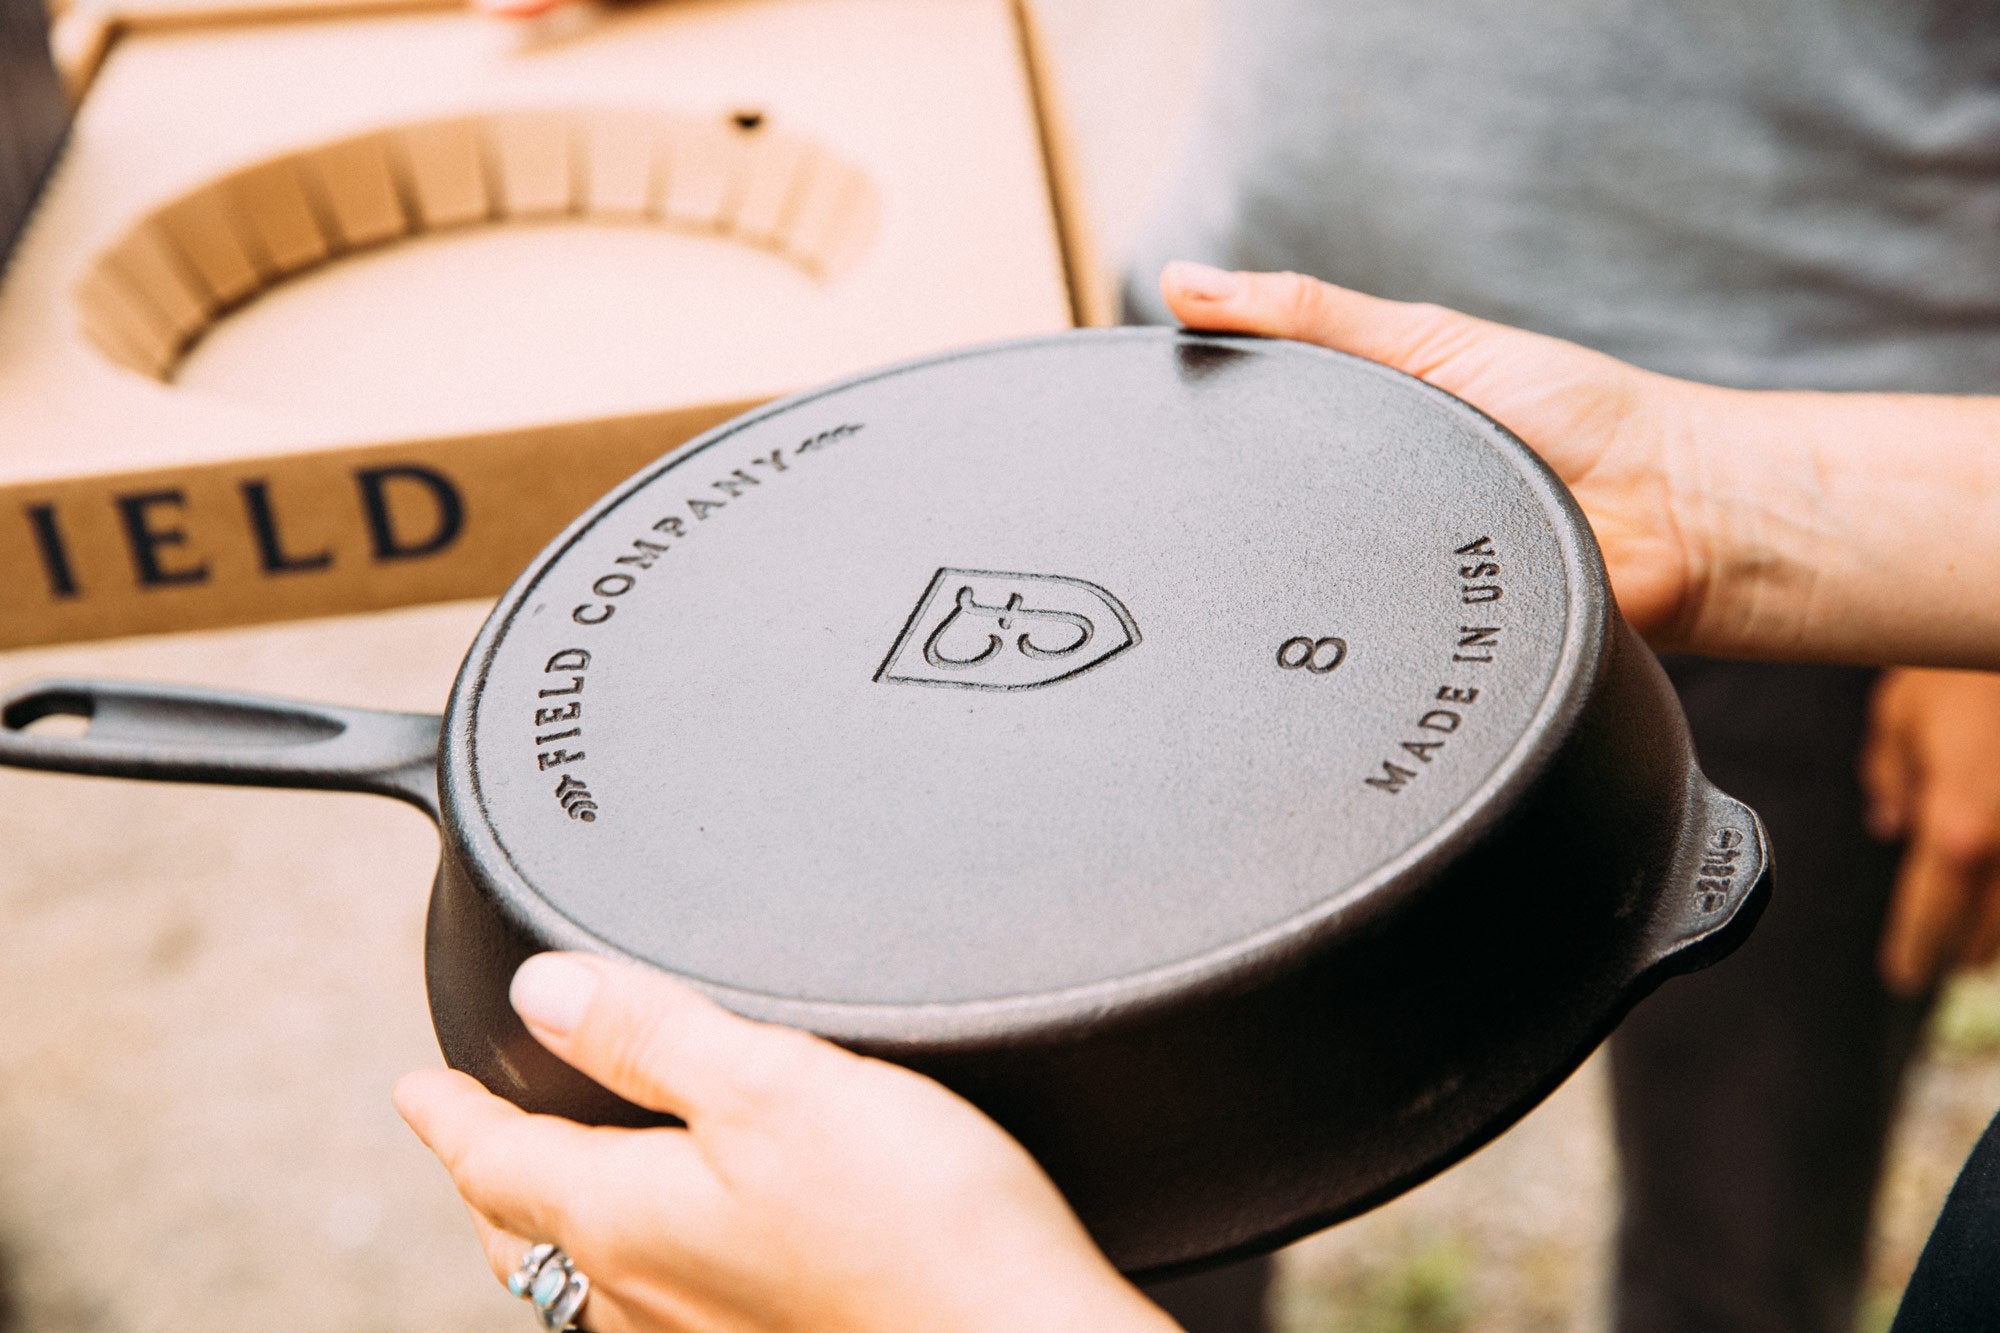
x=549, y=1284
x=548, y=1281
x=523, y=1276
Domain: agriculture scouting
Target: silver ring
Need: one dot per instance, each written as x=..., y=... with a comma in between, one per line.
x=547, y=1280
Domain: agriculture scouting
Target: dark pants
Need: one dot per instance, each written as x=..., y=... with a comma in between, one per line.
x=1957, y=1283
x=1753, y=1099
x=1222, y=1300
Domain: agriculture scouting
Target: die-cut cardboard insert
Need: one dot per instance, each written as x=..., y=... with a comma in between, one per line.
x=161, y=285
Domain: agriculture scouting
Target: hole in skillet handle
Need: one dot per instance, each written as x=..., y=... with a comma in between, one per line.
x=51, y=713
x=117, y=711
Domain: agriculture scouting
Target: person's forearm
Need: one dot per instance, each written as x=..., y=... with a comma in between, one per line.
x=1842, y=527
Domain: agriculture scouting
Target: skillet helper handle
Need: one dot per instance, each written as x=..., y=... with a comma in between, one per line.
x=179, y=733
x=1721, y=884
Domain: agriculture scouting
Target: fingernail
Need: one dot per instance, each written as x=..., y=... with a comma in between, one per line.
x=551, y=992
x=1204, y=282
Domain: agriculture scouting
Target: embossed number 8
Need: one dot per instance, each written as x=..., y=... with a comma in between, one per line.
x=1318, y=656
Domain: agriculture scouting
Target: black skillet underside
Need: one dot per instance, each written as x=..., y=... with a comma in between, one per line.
x=1107, y=724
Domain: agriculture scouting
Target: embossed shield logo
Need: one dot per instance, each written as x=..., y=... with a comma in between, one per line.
x=985, y=629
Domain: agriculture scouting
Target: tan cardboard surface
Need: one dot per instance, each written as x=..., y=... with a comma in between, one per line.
x=288, y=242
x=1092, y=285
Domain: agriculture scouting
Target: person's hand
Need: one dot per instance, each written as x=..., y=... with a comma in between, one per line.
x=1931, y=769
x=812, y=1190
x=1604, y=426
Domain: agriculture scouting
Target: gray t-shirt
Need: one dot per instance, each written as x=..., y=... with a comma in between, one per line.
x=1779, y=193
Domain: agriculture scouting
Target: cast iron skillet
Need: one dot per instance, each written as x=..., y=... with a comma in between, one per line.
x=1219, y=759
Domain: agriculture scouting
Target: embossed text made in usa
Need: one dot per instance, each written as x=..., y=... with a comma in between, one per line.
x=1474, y=649
x=1478, y=584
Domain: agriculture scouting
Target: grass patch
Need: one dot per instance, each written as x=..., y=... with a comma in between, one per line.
x=1967, y=1020
x=1426, y=1290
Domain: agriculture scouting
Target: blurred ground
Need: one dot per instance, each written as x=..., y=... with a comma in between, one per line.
x=208, y=994
x=1516, y=1239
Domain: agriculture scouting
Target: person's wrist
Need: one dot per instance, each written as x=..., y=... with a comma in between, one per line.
x=1107, y=1302
x=1062, y=1289
x=1715, y=473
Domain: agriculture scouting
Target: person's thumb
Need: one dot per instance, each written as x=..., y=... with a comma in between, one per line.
x=1412, y=338
x=1507, y=372
x=657, y=1042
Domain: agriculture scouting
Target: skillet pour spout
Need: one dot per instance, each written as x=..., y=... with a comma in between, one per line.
x=1220, y=760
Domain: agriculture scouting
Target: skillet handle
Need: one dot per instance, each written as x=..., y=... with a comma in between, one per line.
x=1722, y=880
x=179, y=733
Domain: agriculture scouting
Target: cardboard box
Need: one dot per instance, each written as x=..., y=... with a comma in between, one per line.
x=351, y=313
